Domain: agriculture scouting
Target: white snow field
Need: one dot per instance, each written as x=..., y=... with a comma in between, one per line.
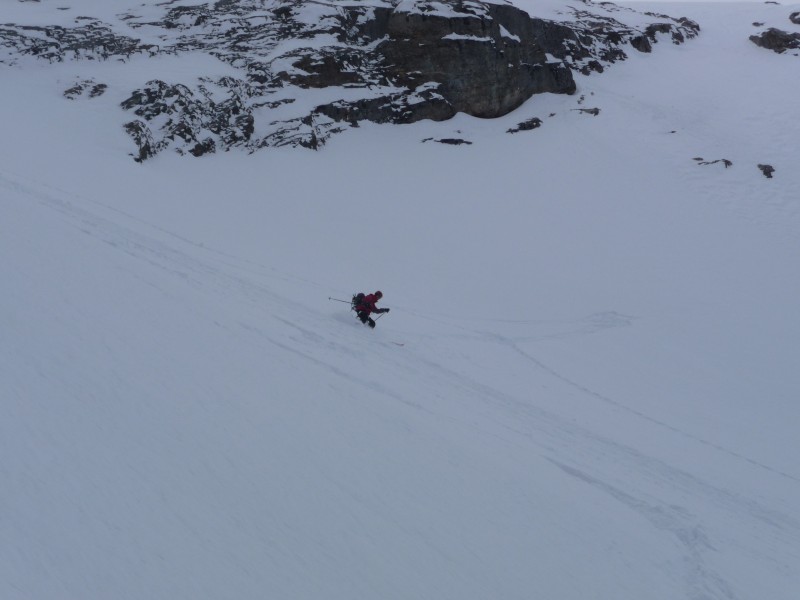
x=587, y=386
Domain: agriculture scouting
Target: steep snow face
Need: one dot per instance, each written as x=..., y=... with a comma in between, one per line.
x=586, y=387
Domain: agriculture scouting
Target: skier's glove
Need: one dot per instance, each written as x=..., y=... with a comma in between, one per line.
x=385, y=310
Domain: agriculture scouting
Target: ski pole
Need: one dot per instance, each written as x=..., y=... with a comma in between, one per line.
x=337, y=300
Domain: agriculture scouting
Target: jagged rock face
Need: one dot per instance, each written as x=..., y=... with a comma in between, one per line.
x=396, y=61
x=777, y=40
x=89, y=40
x=485, y=57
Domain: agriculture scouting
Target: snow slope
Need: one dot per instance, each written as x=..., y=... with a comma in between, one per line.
x=596, y=391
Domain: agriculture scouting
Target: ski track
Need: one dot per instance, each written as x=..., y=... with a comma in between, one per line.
x=645, y=417
x=654, y=491
x=557, y=439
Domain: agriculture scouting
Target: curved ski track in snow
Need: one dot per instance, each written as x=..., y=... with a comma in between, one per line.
x=693, y=511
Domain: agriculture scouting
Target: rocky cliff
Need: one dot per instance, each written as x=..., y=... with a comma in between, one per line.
x=387, y=61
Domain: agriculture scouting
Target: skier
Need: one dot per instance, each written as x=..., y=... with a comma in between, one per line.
x=364, y=305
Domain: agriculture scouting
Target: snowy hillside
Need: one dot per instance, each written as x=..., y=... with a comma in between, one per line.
x=587, y=386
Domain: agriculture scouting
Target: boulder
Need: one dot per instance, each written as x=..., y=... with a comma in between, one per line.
x=767, y=170
x=777, y=40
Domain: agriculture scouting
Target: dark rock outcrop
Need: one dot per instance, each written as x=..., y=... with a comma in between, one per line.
x=485, y=58
x=188, y=116
x=89, y=40
x=527, y=125
x=724, y=161
x=391, y=61
x=141, y=136
x=767, y=170
x=88, y=87
x=454, y=142
x=777, y=40
x=795, y=18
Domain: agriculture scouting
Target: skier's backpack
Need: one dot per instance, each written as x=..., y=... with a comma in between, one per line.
x=357, y=302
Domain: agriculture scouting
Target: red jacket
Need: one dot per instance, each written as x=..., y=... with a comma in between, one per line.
x=368, y=304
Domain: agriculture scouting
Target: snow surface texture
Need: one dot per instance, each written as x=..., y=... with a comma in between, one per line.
x=596, y=395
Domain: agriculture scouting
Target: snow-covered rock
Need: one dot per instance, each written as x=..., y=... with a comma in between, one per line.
x=777, y=40
x=396, y=61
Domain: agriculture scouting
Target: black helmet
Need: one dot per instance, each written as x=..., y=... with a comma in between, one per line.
x=379, y=294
